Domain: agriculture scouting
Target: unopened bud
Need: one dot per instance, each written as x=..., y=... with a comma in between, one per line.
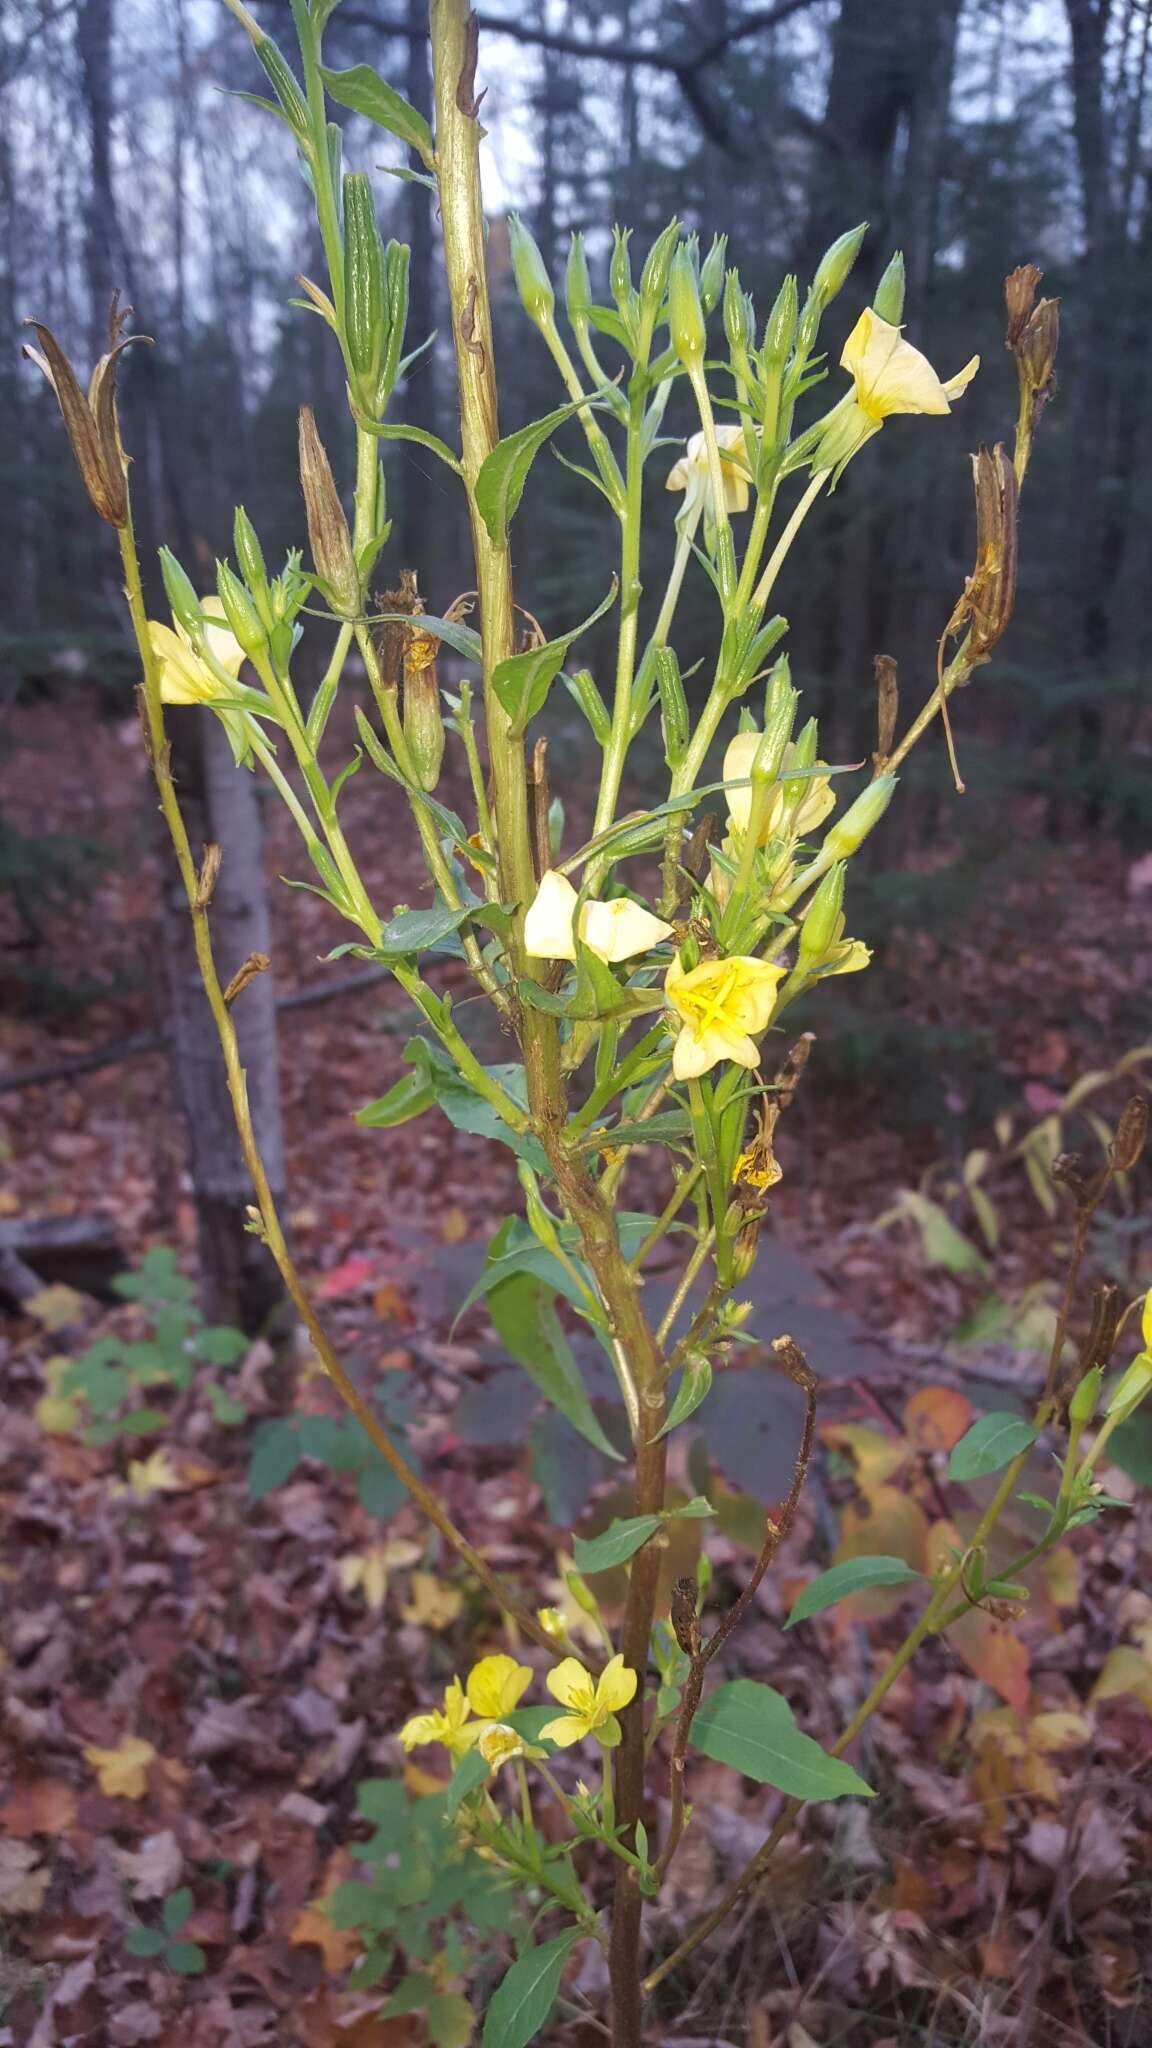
x=712, y=273
x=578, y=284
x=780, y=332
x=364, y=299
x=581, y=1593
x=1082, y=1406
x=1134, y=1385
x=592, y=704
x=739, y=318
x=821, y=927
x=620, y=269
x=888, y=302
x=835, y=264
x=243, y=619
x=685, y=313
x=328, y=535
x=658, y=262
x=249, y=553
x=186, y=606
x=843, y=838
x=532, y=280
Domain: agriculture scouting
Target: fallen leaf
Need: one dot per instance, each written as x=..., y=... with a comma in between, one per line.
x=38, y=1806
x=338, y=1945
x=351, y=1276
x=23, y=1882
x=122, y=1773
x=155, y=1474
x=453, y=1226
x=371, y=1569
x=56, y=1307
x=937, y=1417
x=432, y=1605
x=1124, y=1670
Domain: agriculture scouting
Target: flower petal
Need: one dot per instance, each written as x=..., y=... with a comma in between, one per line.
x=564, y=1731
x=422, y=1728
x=496, y=1686
x=958, y=384
x=616, y=1686
x=569, y=1683
x=548, y=933
x=621, y=929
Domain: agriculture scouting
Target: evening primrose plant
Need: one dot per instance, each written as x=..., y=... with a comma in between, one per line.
x=642, y=969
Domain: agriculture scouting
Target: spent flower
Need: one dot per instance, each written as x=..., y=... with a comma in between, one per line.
x=614, y=931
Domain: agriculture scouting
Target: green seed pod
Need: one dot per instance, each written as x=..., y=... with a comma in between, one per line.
x=674, y=719
x=889, y=299
x=186, y=608
x=592, y=705
x=396, y=259
x=364, y=302
x=835, y=264
x=685, y=313
x=821, y=927
x=532, y=280
x=850, y=832
x=240, y=612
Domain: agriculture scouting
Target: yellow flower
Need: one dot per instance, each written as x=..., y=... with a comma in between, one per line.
x=691, y=473
x=850, y=957
x=613, y=931
x=447, y=1726
x=891, y=376
x=592, y=1703
x=551, y=1621
x=725, y=1005
x=499, y=1745
x=496, y=1686
x=818, y=799
x=184, y=677
x=1146, y=1321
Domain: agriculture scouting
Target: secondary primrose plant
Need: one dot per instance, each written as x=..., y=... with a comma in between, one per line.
x=638, y=973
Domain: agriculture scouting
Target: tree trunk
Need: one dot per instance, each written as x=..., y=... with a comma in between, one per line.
x=421, y=480
x=94, y=49
x=239, y=1282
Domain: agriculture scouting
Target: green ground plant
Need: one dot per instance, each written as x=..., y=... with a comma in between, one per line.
x=636, y=974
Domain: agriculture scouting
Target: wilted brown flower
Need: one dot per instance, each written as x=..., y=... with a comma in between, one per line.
x=90, y=420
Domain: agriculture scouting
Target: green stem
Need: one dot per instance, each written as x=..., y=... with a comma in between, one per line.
x=326, y=694
x=779, y=553
x=612, y=769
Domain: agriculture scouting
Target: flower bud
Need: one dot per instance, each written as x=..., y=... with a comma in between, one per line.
x=364, y=301
x=712, y=273
x=532, y=280
x=1082, y=1406
x=243, y=619
x=888, y=300
x=654, y=276
x=186, y=607
x=821, y=928
x=1134, y=1385
x=396, y=260
x=328, y=535
x=1146, y=1321
x=541, y=1221
x=781, y=329
x=423, y=718
x=583, y=688
x=674, y=719
x=835, y=264
x=620, y=269
x=578, y=284
x=249, y=553
x=843, y=839
x=581, y=1593
x=739, y=318
x=685, y=314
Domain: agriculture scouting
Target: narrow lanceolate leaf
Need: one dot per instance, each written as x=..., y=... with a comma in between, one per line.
x=853, y=1576
x=409, y=1097
x=365, y=92
x=752, y=1728
x=523, y=1311
x=387, y=430
x=989, y=1445
x=619, y=1542
x=504, y=473
x=694, y=1387
x=523, y=2000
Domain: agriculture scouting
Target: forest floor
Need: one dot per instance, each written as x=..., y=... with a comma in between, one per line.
x=195, y=1685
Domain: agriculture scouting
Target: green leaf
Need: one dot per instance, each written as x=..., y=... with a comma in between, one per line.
x=385, y=431
x=275, y=1456
x=504, y=473
x=852, y=1576
x=523, y=1311
x=448, y=2017
x=990, y=1444
x=410, y=1097
x=695, y=1510
x=943, y=1244
x=525, y=1997
x=464, y=640
x=665, y=1128
x=177, y=1907
x=419, y=931
x=522, y=681
x=514, y=1250
x=695, y=1385
x=752, y=1728
x=145, y=1941
x=470, y=1773
x=186, y=1958
x=365, y=92
x=220, y=1345
x=619, y=1542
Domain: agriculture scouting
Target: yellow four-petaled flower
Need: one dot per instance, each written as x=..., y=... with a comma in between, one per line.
x=592, y=1703
x=495, y=1688
x=724, y=1005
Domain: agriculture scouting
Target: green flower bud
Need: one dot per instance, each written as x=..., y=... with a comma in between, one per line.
x=1082, y=1406
x=835, y=264
x=654, y=276
x=578, y=284
x=674, y=719
x=712, y=273
x=1134, y=1385
x=769, y=756
x=396, y=260
x=778, y=686
x=249, y=553
x=364, y=301
x=821, y=927
x=843, y=838
x=540, y=1219
x=423, y=719
x=592, y=704
x=739, y=318
x=889, y=299
x=780, y=331
x=532, y=280
x=582, y=1593
x=243, y=619
x=685, y=313
x=620, y=270
x=181, y=596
